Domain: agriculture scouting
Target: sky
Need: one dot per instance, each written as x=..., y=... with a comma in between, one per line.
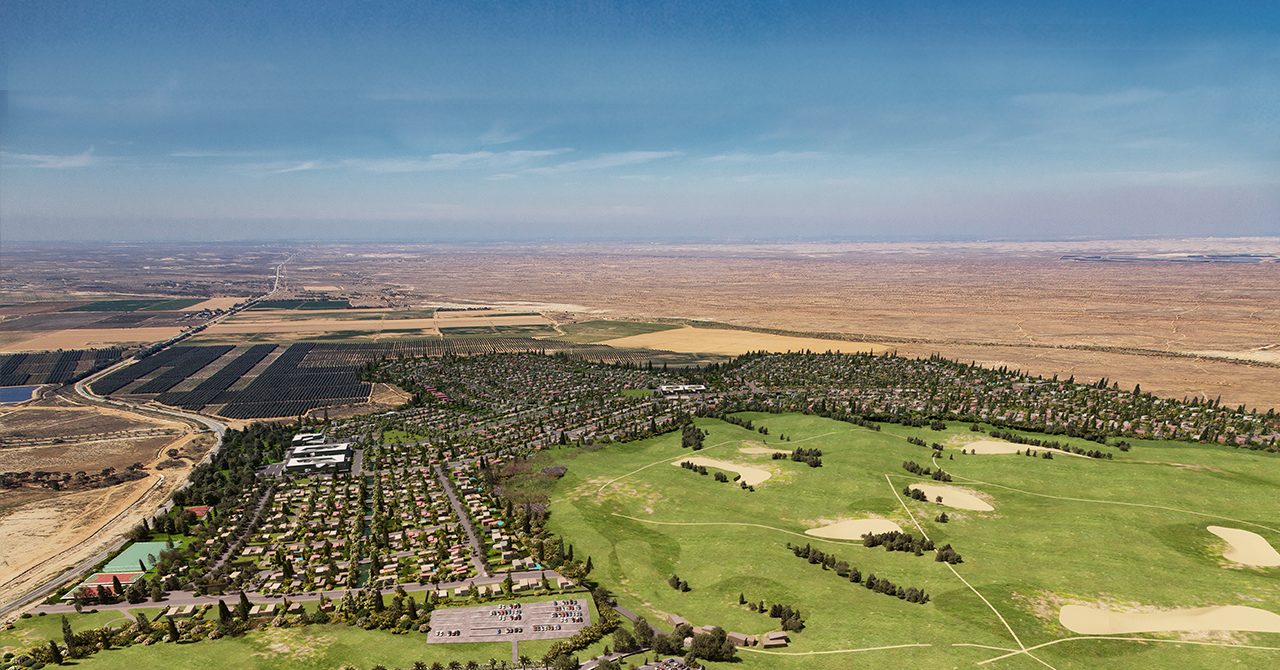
x=507, y=121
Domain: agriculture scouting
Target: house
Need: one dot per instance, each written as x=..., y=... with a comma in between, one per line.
x=676, y=620
x=741, y=639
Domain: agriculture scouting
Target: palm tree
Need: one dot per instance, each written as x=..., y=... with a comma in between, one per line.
x=525, y=661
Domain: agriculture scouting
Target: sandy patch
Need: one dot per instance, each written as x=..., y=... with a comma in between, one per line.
x=215, y=303
x=1092, y=621
x=1247, y=547
x=854, y=529
x=1260, y=355
x=750, y=475
x=762, y=450
x=735, y=342
x=992, y=447
x=953, y=497
x=89, y=338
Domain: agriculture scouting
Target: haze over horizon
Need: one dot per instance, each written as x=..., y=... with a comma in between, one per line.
x=484, y=121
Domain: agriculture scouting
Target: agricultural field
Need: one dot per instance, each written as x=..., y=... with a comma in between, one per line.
x=600, y=331
x=1128, y=533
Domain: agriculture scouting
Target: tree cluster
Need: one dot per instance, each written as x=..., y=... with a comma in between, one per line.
x=691, y=437
x=678, y=584
x=897, y=541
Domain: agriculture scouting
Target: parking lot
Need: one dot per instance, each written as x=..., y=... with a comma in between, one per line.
x=546, y=620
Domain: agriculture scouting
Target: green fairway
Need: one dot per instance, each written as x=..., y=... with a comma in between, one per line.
x=1129, y=530
x=599, y=331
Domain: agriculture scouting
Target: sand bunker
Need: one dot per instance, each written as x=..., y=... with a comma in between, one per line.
x=750, y=475
x=762, y=450
x=1090, y=621
x=992, y=447
x=954, y=497
x=854, y=529
x=1247, y=547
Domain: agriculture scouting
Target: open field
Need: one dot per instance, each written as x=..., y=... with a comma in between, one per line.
x=735, y=342
x=599, y=331
x=1131, y=532
x=66, y=417
x=82, y=338
x=1022, y=304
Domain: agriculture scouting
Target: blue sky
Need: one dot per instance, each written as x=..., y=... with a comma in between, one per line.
x=638, y=120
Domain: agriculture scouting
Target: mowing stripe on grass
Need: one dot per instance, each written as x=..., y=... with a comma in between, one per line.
x=834, y=651
x=1115, y=502
x=665, y=460
x=953, y=570
x=731, y=523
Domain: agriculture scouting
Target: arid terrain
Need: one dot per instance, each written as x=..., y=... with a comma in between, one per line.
x=43, y=530
x=1154, y=313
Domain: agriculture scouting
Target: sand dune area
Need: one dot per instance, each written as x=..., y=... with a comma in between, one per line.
x=1247, y=547
x=854, y=529
x=1091, y=621
x=953, y=497
x=750, y=475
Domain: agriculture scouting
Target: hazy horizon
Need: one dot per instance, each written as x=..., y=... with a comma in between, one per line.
x=638, y=121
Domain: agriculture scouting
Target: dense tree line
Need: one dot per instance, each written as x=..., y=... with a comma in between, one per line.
x=843, y=569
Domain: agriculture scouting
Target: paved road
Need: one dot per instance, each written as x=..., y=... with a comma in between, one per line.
x=183, y=598
x=478, y=558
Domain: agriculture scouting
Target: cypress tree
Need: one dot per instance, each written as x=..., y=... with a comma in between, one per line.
x=69, y=637
x=173, y=629
x=55, y=653
x=244, y=607
x=224, y=613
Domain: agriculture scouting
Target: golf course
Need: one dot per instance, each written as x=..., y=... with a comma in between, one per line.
x=1105, y=539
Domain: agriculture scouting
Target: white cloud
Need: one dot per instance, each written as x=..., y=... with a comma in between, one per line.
x=55, y=162
x=469, y=161
x=778, y=155
x=604, y=161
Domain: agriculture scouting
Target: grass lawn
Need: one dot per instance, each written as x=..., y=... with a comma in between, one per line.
x=318, y=647
x=399, y=437
x=599, y=331
x=1035, y=549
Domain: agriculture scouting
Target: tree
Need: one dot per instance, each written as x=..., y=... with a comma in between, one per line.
x=623, y=640
x=224, y=613
x=116, y=588
x=242, y=611
x=712, y=646
x=173, y=629
x=69, y=637
x=55, y=654
x=644, y=632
